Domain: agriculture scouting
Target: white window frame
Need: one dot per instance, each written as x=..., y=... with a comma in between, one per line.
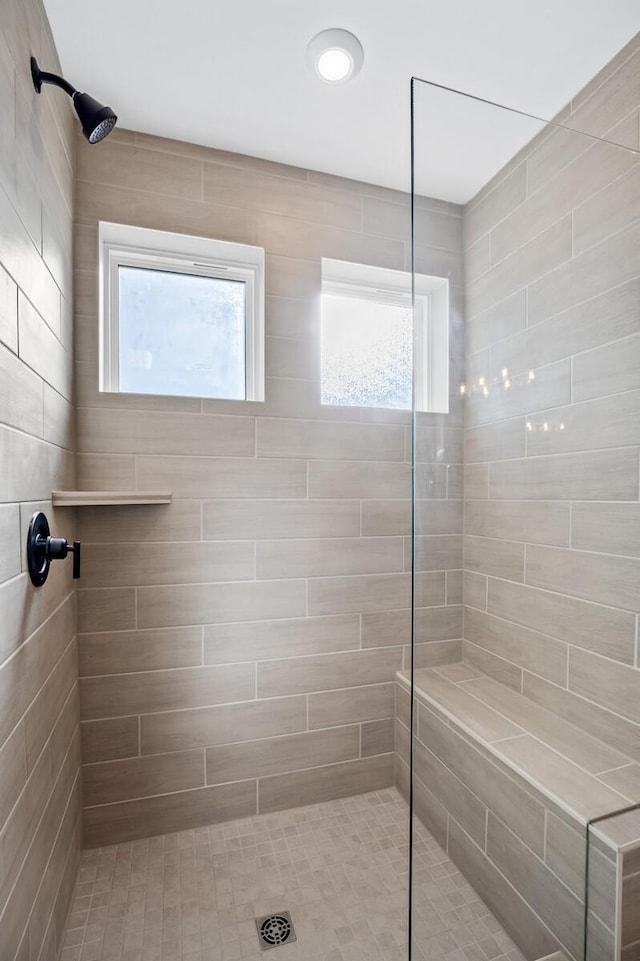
x=431, y=319
x=127, y=246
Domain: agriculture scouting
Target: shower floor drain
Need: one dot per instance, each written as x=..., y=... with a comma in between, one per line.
x=275, y=929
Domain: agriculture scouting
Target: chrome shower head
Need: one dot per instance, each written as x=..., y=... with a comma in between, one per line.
x=97, y=120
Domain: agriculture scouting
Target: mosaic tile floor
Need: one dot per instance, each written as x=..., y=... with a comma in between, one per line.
x=340, y=868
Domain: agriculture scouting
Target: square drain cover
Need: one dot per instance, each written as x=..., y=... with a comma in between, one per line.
x=275, y=929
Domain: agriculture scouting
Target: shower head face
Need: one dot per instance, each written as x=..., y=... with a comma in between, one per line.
x=97, y=121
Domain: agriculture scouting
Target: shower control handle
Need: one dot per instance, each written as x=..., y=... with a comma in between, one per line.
x=42, y=548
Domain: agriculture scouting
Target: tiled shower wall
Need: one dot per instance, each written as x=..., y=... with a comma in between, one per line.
x=552, y=518
x=39, y=738
x=238, y=647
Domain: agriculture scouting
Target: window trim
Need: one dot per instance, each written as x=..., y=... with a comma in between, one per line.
x=431, y=319
x=128, y=246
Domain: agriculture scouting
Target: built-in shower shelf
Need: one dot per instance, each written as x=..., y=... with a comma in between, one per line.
x=108, y=498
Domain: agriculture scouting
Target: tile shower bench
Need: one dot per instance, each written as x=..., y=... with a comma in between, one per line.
x=508, y=789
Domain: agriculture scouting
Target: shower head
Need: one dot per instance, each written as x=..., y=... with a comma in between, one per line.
x=97, y=121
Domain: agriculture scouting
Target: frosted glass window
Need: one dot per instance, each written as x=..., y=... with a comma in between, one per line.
x=181, y=334
x=366, y=352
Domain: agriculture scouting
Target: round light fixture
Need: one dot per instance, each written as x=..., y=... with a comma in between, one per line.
x=335, y=55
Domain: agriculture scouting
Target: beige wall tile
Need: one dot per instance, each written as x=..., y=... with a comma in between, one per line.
x=604, y=422
x=109, y=739
x=298, y=438
x=280, y=519
x=338, y=479
x=492, y=205
x=434, y=552
x=362, y=593
x=497, y=322
x=167, y=813
x=498, y=558
x=214, y=604
x=377, y=737
x=139, y=169
x=178, y=521
x=496, y=667
x=319, y=558
x=614, y=686
x=583, y=476
x=225, y=477
x=262, y=640
x=346, y=706
x=544, y=523
x=324, y=784
x=148, y=562
x=142, y=777
x=527, y=649
x=117, y=695
x=475, y=590
x=495, y=441
x=227, y=723
x=328, y=672
x=295, y=752
x=40, y=348
x=596, y=628
x=151, y=432
x=608, y=369
x=613, y=208
x=601, y=578
x=96, y=472
x=107, y=652
x=457, y=704
x=11, y=561
x=551, y=388
x=8, y=311
x=107, y=610
x=457, y=799
x=21, y=395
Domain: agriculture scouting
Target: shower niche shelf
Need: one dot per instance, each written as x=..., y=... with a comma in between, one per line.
x=109, y=498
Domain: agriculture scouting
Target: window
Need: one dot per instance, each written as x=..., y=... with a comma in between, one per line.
x=180, y=315
x=371, y=335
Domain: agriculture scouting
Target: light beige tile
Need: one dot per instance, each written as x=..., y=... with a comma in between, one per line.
x=551, y=388
x=612, y=208
x=323, y=784
x=41, y=350
x=475, y=590
x=566, y=854
x=495, y=441
x=434, y=552
x=577, y=792
x=591, y=425
x=451, y=700
x=49, y=703
x=365, y=703
x=605, y=725
x=224, y=724
x=14, y=765
x=624, y=780
x=458, y=800
x=608, y=369
x=141, y=777
x=361, y=593
x=299, y=438
x=391, y=219
x=630, y=913
x=454, y=586
x=497, y=558
x=497, y=322
x=178, y=521
x=11, y=559
x=106, y=610
x=574, y=744
x=216, y=604
x=583, y=476
x=21, y=395
x=145, y=692
x=607, y=264
x=435, y=624
x=601, y=629
x=145, y=562
x=282, y=518
x=546, y=523
x=606, y=317
x=111, y=823
x=476, y=481
x=152, y=432
x=109, y=739
x=532, y=260
x=338, y=479
x=224, y=477
x=527, y=649
x=290, y=357
x=282, y=195
x=326, y=672
x=430, y=588
x=138, y=169
x=377, y=737
x=499, y=793
x=477, y=259
x=438, y=444
x=117, y=651
x=601, y=578
x=294, y=752
x=434, y=653
x=105, y=472
x=612, y=685
x=561, y=909
x=495, y=203
x=59, y=419
x=496, y=667
x=383, y=628
x=320, y=558
x=263, y=640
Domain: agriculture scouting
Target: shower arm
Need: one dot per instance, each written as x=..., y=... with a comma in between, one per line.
x=41, y=76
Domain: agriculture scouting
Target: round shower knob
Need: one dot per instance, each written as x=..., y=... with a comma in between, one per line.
x=42, y=549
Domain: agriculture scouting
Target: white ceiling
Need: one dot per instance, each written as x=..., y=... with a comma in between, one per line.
x=233, y=75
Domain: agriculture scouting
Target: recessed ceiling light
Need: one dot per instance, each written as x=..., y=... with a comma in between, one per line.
x=335, y=55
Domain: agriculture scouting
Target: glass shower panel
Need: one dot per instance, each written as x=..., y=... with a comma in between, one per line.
x=517, y=722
